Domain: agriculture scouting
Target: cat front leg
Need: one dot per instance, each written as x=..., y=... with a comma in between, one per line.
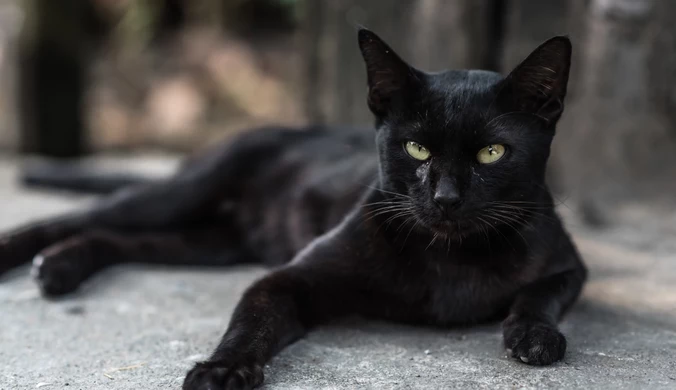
x=530, y=331
x=266, y=319
x=274, y=312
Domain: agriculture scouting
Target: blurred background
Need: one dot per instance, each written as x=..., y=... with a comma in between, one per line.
x=134, y=77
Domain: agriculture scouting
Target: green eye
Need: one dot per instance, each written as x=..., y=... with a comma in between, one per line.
x=416, y=150
x=490, y=154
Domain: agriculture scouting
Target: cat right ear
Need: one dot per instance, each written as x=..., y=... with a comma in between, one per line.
x=387, y=74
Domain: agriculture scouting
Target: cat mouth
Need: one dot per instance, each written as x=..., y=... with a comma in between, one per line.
x=452, y=227
x=448, y=226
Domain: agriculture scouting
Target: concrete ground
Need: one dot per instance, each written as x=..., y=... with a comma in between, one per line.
x=142, y=327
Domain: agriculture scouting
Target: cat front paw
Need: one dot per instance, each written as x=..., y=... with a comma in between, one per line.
x=533, y=342
x=223, y=375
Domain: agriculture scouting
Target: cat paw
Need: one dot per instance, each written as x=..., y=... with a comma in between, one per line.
x=533, y=342
x=55, y=275
x=223, y=376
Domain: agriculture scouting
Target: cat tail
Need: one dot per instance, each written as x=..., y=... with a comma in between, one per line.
x=78, y=178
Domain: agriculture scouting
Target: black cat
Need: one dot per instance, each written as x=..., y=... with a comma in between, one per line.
x=449, y=222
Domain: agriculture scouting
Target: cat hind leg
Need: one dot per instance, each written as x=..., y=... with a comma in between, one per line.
x=64, y=266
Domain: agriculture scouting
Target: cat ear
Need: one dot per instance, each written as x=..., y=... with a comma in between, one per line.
x=538, y=85
x=387, y=74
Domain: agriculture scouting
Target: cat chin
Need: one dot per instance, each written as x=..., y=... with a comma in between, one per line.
x=452, y=229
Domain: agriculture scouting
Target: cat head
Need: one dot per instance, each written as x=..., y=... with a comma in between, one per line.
x=465, y=145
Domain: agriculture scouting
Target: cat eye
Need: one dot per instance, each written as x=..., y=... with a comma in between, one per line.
x=416, y=150
x=491, y=154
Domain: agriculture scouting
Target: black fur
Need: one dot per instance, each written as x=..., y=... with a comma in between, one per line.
x=441, y=242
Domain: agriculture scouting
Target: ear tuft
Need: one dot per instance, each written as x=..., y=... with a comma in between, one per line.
x=387, y=74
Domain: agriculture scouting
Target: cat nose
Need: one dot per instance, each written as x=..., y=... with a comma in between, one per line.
x=447, y=200
x=446, y=195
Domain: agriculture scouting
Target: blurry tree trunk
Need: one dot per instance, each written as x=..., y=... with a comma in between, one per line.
x=430, y=34
x=206, y=13
x=260, y=18
x=619, y=144
x=172, y=17
x=662, y=61
x=10, y=24
x=531, y=22
x=52, y=78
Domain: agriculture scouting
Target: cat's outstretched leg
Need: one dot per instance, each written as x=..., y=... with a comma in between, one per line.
x=18, y=247
x=280, y=308
x=191, y=196
x=273, y=312
x=153, y=207
x=530, y=331
x=62, y=267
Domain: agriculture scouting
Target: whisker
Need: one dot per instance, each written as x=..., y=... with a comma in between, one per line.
x=385, y=202
x=509, y=217
x=400, y=229
x=410, y=218
x=409, y=233
x=496, y=218
x=532, y=229
x=384, y=209
x=384, y=212
x=388, y=192
x=457, y=226
x=543, y=206
x=496, y=230
x=523, y=210
x=488, y=238
x=398, y=215
x=432, y=241
x=512, y=216
x=391, y=219
x=387, y=207
x=523, y=213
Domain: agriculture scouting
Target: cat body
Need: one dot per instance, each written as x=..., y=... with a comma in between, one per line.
x=444, y=220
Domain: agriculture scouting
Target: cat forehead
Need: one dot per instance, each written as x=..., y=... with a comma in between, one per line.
x=466, y=78
x=462, y=87
x=457, y=98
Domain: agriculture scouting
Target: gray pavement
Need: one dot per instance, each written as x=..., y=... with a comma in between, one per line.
x=138, y=327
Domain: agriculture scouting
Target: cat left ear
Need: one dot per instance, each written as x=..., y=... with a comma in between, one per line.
x=538, y=85
x=387, y=74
